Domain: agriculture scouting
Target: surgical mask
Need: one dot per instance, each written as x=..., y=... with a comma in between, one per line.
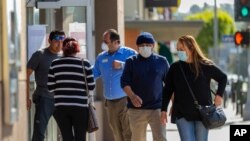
x=104, y=47
x=182, y=55
x=145, y=51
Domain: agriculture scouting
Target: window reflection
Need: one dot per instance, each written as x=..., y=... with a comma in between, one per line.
x=13, y=15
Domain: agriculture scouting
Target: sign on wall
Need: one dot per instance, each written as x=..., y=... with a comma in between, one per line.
x=36, y=38
x=160, y=3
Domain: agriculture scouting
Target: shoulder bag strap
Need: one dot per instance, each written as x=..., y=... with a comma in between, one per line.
x=85, y=78
x=189, y=88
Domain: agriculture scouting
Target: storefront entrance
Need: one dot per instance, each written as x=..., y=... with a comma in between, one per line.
x=74, y=17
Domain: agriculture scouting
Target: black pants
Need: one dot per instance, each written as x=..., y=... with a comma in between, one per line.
x=72, y=122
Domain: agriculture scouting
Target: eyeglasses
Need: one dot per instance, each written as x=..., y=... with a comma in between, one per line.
x=58, y=38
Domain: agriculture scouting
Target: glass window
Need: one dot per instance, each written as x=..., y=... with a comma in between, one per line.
x=13, y=40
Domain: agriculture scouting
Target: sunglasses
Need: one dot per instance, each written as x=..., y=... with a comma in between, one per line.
x=58, y=38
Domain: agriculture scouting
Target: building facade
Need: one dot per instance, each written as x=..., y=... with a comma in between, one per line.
x=13, y=113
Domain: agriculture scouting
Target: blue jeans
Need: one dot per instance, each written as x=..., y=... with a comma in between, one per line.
x=44, y=108
x=191, y=130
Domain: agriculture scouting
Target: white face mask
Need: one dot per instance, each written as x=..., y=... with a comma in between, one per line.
x=145, y=51
x=104, y=47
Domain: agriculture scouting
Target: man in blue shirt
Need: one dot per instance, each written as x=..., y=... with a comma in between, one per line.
x=142, y=80
x=109, y=66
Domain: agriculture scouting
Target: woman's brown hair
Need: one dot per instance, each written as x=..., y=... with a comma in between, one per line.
x=197, y=56
x=70, y=46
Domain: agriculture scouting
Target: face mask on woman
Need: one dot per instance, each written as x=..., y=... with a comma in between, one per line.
x=182, y=55
x=145, y=51
x=104, y=47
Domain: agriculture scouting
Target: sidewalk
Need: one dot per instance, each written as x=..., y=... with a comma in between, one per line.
x=230, y=112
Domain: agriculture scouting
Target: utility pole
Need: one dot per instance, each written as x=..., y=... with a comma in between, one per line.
x=242, y=13
x=246, y=113
x=216, y=47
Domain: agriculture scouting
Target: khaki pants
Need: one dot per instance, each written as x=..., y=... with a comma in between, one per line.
x=118, y=118
x=139, y=119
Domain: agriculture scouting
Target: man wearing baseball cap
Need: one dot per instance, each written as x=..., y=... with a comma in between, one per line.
x=142, y=81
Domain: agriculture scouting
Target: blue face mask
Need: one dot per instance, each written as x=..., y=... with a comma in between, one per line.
x=182, y=55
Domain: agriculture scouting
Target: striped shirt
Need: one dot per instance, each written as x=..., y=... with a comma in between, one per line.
x=66, y=80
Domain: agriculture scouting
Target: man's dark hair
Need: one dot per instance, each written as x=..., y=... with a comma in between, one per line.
x=114, y=35
x=54, y=33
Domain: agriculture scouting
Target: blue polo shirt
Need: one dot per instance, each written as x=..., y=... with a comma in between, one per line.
x=110, y=76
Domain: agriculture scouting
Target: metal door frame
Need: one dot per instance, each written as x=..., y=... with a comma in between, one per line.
x=89, y=4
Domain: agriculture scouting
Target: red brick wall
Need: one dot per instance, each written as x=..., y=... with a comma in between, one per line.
x=130, y=37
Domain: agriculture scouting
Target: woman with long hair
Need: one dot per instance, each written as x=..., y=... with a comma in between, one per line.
x=199, y=71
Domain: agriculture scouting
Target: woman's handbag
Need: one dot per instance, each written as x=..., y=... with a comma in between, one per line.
x=92, y=120
x=211, y=116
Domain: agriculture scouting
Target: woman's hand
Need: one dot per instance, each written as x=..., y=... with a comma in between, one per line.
x=218, y=100
x=164, y=118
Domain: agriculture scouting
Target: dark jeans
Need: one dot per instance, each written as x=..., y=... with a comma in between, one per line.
x=44, y=108
x=72, y=122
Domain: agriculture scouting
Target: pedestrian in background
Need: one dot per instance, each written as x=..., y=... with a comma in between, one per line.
x=44, y=102
x=199, y=70
x=66, y=80
x=109, y=66
x=142, y=80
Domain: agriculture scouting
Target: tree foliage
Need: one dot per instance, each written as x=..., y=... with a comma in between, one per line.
x=226, y=26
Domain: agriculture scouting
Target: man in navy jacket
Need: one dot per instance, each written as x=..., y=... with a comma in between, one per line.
x=142, y=80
